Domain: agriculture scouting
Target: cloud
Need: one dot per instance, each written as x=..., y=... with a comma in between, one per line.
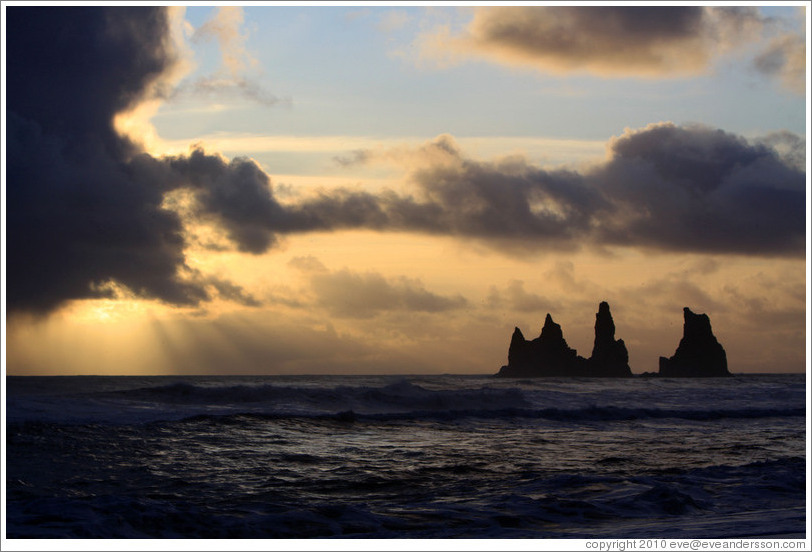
x=86, y=206
x=236, y=193
x=611, y=41
x=356, y=157
x=516, y=299
x=508, y=198
x=699, y=189
x=790, y=147
x=348, y=294
x=664, y=187
x=230, y=291
x=222, y=87
x=785, y=58
x=75, y=215
x=392, y=21
x=226, y=28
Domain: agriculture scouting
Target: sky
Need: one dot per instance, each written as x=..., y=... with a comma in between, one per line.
x=360, y=189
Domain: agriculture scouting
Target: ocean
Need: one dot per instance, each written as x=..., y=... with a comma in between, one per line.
x=402, y=457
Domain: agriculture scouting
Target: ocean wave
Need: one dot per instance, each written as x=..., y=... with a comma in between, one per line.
x=399, y=395
x=581, y=415
x=400, y=400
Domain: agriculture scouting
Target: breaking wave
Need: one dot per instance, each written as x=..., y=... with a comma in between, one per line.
x=595, y=414
x=397, y=395
x=408, y=401
x=398, y=401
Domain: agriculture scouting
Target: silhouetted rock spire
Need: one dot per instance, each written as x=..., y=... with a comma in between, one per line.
x=609, y=356
x=699, y=354
x=551, y=330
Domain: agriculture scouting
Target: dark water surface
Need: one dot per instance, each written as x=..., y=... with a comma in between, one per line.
x=405, y=457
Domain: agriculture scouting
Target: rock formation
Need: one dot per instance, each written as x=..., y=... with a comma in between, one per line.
x=699, y=354
x=549, y=355
x=609, y=356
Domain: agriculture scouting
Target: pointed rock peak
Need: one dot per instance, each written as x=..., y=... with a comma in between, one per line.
x=696, y=324
x=689, y=314
x=604, y=325
x=517, y=335
x=551, y=330
x=699, y=354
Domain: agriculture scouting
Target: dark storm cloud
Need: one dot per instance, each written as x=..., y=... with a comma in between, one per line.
x=75, y=214
x=462, y=197
x=701, y=189
x=236, y=192
x=51, y=84
x=664, y=187
x=84, y=205
x=510, y=200
x=608, y=40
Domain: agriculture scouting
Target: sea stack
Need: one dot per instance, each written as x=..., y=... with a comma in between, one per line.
x=609, y=355
x=549, y=355
x=699, y=354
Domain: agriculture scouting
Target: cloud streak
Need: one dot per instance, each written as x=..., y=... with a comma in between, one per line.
x=621, y=41
x=516, y=299
x=348, y=294
x=609, y=41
